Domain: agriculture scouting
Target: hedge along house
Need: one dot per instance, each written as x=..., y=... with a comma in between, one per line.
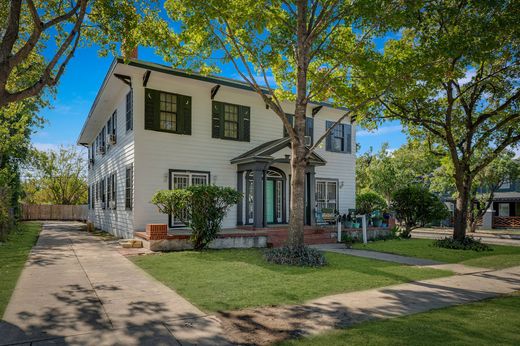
x=152, y=127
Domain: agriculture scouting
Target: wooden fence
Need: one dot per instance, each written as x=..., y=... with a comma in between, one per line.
x=506, y=222
x=54, y=212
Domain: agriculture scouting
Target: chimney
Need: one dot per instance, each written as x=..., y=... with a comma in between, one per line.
x=133, y=54
x=128, y=53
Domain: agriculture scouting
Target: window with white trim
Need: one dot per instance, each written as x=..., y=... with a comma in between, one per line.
x=183, y=179
x=327, y=194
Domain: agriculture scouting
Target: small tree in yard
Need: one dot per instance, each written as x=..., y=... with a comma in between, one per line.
x=368, y=202
x=415, y=207
x=202, y=207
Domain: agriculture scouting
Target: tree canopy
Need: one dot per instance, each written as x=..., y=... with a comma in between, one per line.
x=459, y=87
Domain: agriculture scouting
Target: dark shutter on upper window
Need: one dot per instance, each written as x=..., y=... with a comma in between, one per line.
x=347, y=135
x=152, y=112
x=244, y=120
x=151, y=109
x=129, y=111
x=290, y=118
x=309, y=128
x=328, y=141
x=217, y=114
x=184, y=114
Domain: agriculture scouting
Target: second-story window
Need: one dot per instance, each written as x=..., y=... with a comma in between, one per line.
x=339, y=139
x=167, y=112
x=230, y=121
x=129, y=112
x=168, y=109
x=309, y=127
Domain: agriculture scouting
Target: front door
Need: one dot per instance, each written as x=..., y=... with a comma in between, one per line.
x=274, y=201
x=269, y=201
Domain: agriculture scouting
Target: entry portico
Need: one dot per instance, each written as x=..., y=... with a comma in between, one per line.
x=262, y=179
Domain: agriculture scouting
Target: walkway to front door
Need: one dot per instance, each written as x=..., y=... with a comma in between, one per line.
x=77, y=289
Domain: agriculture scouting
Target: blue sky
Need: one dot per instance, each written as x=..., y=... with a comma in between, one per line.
x=83, y=77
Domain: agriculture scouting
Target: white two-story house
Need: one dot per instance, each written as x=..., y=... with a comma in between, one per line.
x=152, y=127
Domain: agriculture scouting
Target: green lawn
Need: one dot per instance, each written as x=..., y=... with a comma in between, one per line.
x=13, y=255
x=489, y=322
x=234, y=279
x=500, y=257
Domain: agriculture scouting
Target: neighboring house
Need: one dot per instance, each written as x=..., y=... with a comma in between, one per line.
x=505, y=208
x=506, y=205
x=152, y=127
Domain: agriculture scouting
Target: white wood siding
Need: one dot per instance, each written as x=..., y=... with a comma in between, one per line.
x=118, y=222
x=158, y=152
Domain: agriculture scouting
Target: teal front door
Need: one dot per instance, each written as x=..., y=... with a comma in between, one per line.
x=269, y=201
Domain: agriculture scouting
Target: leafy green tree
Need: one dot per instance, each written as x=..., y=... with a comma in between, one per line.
x=57, y=177
x=459, y=87
x=315, y=50
x=202, y=207
x=368, y=202
x=415, y=206
x=387, y=171
x=28, y=28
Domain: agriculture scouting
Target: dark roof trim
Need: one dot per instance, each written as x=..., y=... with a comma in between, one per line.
x=232, y=83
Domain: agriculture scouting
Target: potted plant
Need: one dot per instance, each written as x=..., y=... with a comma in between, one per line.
x=347, y=220
x=348, y=240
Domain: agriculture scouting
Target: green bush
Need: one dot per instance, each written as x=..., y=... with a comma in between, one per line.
x=303, y=256
x=368, y=202
x=415, y=206
x=469, y=243
x=202, y=207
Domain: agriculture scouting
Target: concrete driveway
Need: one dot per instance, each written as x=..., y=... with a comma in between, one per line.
x=78, y=290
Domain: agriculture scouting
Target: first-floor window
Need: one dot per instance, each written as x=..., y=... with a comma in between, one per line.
x=112, y=190
x=181, y=180
x=326, y=194
x=503, y=209
x=103, y=193
x=129, y=182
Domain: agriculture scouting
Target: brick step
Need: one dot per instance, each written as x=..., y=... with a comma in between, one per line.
x=131, y=243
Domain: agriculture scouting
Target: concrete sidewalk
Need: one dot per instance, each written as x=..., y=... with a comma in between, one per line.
x=78, y=290
x=266, y=325
x=412, y=261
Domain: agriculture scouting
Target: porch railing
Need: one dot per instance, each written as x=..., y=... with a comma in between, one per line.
x=506, y=222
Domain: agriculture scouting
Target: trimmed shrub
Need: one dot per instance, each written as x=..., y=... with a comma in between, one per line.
x=202, y=207
x=303, y=256
x=469, y=243
x=368, y=202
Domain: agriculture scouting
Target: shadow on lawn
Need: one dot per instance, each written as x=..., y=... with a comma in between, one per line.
x=263, y=326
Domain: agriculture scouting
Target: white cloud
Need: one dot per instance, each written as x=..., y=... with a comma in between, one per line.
x=380, y=131
x=46, y=146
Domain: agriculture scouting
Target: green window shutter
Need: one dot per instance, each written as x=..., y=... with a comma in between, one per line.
x=290, y=118
x=183, y=114
x=151, y=109
x=217, y=113
x=328, y=141
x=186, y=113
x=347, y=134
x=309, y=128
x=244, y=123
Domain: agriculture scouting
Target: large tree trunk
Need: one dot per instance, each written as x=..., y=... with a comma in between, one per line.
x=298, y=150
x=462, y=208
x=297, y=207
